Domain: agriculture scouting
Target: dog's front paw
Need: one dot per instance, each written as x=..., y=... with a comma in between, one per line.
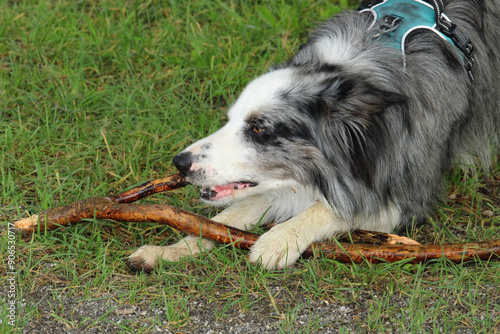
x=146, y=257
x=276, y=249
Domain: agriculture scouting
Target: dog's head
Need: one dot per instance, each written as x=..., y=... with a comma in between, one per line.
x=290, y=127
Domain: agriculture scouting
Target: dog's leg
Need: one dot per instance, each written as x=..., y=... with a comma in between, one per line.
x=242, y=215
x=282, y=245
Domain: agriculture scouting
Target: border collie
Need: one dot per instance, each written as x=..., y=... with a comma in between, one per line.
x=350, y=133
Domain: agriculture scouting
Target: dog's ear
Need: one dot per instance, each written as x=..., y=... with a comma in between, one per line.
x=353, y=122
x=355, y=95
x=377, y=99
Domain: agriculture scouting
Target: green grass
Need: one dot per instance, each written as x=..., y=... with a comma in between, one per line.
x=96, y=96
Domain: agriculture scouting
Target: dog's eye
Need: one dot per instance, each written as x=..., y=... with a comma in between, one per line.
x=257, y=130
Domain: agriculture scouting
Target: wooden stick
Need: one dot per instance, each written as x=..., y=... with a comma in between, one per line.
x=149, y=188
x=104, y=208
x=370, y=237
x=52, y=218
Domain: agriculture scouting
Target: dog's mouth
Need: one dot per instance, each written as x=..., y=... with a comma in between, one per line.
x=217, y=193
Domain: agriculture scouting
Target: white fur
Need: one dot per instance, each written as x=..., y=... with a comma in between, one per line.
x=282, y=245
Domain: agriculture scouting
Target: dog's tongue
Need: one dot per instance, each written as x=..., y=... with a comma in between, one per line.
x=222, y=191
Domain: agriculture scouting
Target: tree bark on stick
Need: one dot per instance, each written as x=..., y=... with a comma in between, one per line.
x=72, y=213
x=103, y=208
x=149, y=188
x=116, y=208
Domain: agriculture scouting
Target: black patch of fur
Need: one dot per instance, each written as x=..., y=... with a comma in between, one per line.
x=273, y=134
x=358, y=119
x=292, y=131
x=345, y=88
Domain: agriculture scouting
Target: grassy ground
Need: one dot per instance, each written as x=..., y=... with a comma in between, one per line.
x=97, y=96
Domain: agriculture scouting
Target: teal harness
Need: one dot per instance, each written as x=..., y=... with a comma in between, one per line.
x=398, y=18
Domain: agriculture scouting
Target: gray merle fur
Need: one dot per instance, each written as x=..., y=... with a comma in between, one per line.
x=384, y=132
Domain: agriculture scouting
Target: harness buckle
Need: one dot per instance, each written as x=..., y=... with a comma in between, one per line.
x=388, y=24
x=464, y=44
x=461, y=41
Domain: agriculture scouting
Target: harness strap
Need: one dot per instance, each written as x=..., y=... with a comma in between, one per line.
x=461, y=41
x=443, y=24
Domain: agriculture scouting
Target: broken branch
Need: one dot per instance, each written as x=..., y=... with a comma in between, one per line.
x=149, y=188
x=104, y=208
x=84, y=209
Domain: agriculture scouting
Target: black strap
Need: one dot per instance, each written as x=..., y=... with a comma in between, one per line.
x=461, y=41
x=441, y=21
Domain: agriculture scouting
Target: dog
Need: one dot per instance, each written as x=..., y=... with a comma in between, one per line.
x=350, y=133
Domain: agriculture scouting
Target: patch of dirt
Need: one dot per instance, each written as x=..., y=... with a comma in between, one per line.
x=84, y=315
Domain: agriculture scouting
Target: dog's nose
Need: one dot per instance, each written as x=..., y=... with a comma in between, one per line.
x=183, y=161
